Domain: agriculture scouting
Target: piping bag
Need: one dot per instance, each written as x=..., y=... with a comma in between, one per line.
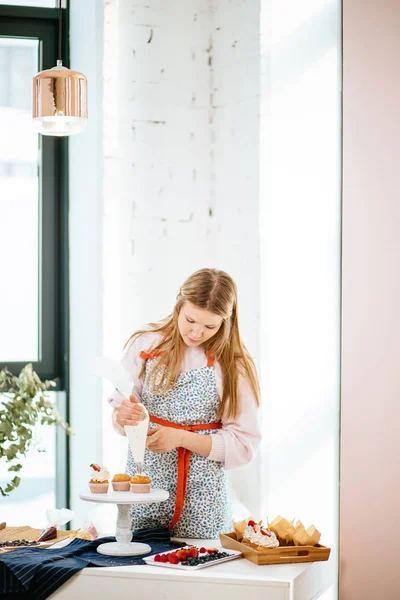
x=137, y=434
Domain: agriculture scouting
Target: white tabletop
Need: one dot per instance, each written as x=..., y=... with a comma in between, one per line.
x=234, y=580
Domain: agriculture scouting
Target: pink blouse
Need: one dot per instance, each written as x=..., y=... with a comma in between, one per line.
x=236, y=443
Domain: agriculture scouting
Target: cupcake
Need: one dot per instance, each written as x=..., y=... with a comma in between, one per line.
x=120, y=482
x=98, y=483
x=259, y=537
x=140, y=484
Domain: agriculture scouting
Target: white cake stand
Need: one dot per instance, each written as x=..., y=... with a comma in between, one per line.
x=123, y=546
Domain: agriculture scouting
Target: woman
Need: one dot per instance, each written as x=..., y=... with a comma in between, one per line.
x=199, y=384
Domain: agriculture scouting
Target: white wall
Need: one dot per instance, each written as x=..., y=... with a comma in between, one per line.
x=86, y=253
x=156, y=158
x=300, y=218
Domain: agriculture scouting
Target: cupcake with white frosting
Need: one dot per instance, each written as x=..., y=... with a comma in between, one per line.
x=99, y=480
x=259, y=537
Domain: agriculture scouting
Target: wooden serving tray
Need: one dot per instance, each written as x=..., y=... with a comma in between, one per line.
x=29, y=534
x=276, y=556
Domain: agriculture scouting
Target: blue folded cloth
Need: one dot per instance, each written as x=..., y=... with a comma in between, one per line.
x=36, y=573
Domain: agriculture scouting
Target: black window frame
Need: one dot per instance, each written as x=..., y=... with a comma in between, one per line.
x=53, y=363
x=42, y=23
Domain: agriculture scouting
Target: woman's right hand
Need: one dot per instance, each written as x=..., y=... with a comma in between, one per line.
x=129, y=412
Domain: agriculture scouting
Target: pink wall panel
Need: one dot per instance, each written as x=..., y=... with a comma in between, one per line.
x=370, y=413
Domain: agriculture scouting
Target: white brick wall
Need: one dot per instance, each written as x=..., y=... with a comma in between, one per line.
x=181, y=150
x=234, y=148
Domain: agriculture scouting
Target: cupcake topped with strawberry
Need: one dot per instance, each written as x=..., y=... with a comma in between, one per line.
x=258, y=536
x=99, y=477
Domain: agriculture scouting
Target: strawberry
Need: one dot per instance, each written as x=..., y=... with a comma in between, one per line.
x=174, y=558
x=251, y=523
x=265, y=532
x=193, y=552
x=163, y=558
x=95, y=467
x=183, y=554
x=202, y=550
x=212, y=550
x=157, y=558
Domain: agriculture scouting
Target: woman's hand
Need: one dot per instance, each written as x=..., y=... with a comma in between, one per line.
x=163, y=439
x=129, y=412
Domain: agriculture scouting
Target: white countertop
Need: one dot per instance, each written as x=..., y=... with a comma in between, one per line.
x=304, y=581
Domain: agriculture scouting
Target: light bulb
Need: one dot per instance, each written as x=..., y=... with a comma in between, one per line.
x=59, y=126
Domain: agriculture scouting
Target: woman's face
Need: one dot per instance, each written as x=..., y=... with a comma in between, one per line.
x=197, y=325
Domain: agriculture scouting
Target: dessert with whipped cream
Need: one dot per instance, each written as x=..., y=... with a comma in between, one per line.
x=140, y=484
x=259, y=537
x=98, y=483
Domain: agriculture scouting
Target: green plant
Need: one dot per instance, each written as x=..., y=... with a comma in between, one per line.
x=23, y=404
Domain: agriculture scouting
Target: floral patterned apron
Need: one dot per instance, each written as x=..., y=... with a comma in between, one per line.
x=193, y=400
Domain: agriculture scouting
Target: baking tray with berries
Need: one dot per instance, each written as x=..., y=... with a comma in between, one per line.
x=192, y=557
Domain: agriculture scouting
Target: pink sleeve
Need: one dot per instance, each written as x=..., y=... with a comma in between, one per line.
x=132, y=363
x=236, y=444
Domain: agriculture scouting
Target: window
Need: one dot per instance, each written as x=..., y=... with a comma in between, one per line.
x=32, y=203
x=33, y=247
x=41, y=3
x=19, y=185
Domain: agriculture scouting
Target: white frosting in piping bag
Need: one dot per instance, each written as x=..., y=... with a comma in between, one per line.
x=137, y=437
x=137, y=434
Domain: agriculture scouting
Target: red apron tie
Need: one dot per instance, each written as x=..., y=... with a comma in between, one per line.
x=183, y=461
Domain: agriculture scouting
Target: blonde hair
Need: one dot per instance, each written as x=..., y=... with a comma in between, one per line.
x=216, y=292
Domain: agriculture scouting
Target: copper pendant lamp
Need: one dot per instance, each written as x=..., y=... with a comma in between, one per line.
x=59, y=106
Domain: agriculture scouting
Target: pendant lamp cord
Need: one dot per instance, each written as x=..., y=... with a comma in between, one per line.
x=59, y=29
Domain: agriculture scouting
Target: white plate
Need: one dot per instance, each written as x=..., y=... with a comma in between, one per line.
x=149, y=560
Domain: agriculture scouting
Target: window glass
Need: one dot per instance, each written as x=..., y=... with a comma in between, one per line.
x=27, y=504
x=20, y=205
